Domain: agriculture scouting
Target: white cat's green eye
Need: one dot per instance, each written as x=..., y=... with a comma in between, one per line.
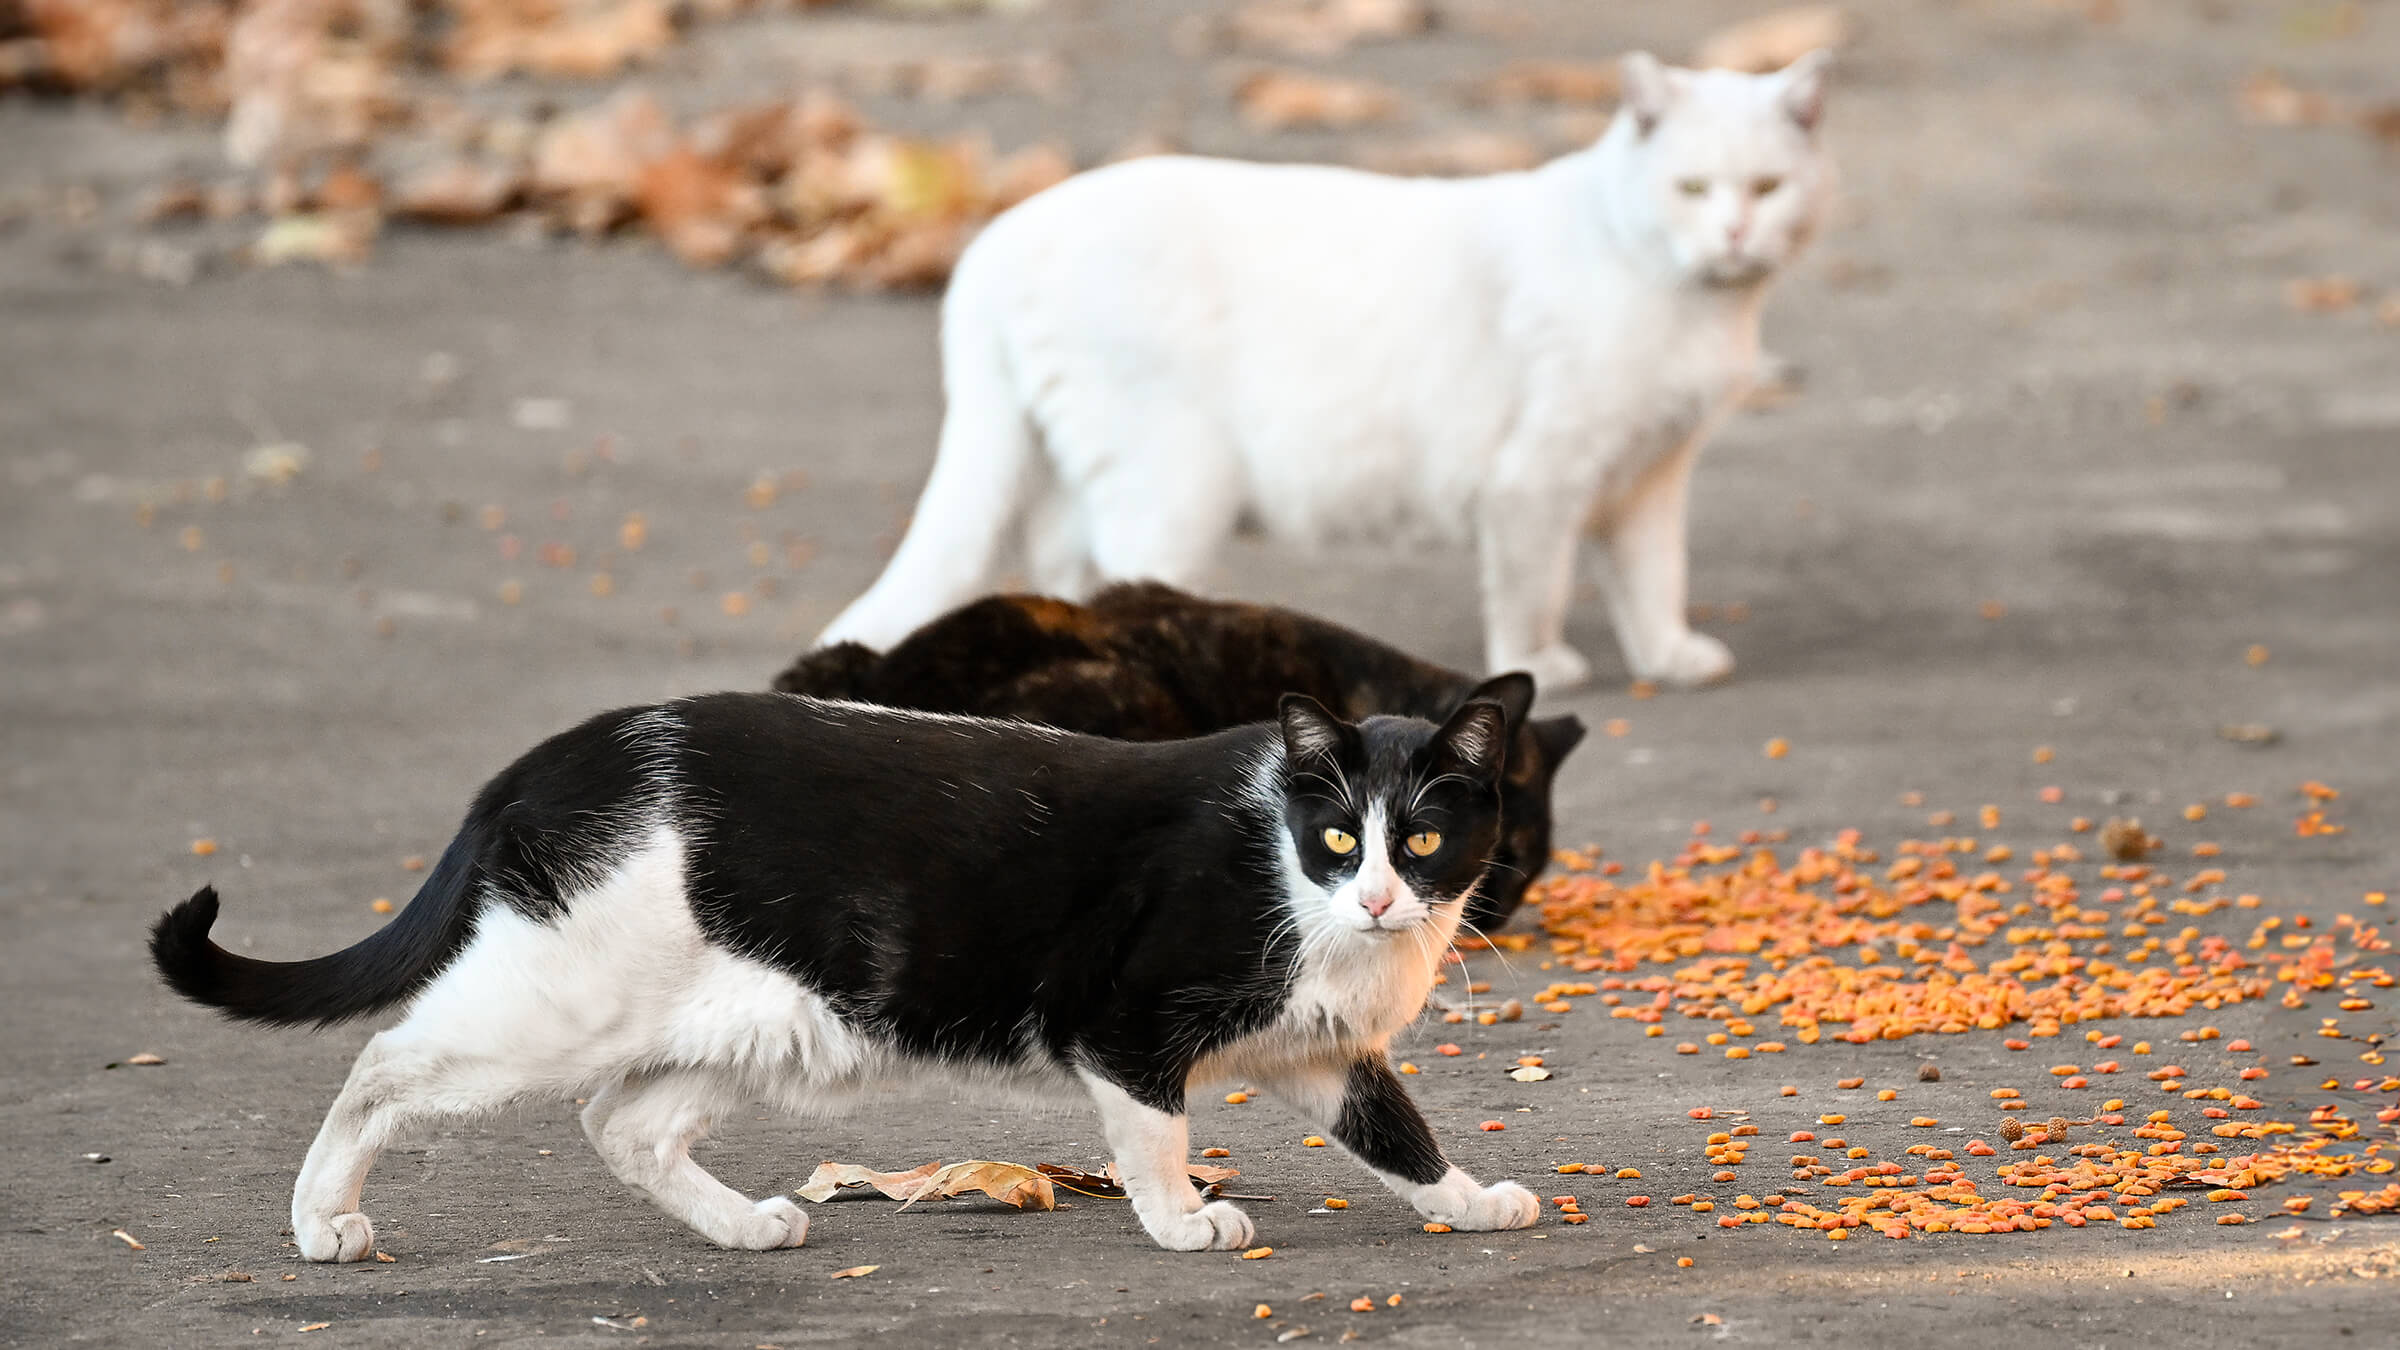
x=1339, y=841
x=1765, y=186
x=1424, y=842
x=1693, y=187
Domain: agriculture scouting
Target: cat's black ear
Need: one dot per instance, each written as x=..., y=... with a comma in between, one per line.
x=1557, y=736
x=1647, y=89
x=1513, y=692
x=1310, y=732
x=1804, y=87
x=1474, y=741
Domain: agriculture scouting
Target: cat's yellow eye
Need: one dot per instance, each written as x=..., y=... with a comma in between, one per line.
x=1339, y=841
x=1765, y=186
x=1424, y=842
x=1693, y=187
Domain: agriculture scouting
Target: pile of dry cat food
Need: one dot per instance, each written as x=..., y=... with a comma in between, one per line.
x=1942, y=941
x=349, y=111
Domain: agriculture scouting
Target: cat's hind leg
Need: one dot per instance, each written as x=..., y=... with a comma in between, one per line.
x=398, y=1080
x=644, y=1127
x=1367, y=1111
x=1158, y=487
x=1152, y=1148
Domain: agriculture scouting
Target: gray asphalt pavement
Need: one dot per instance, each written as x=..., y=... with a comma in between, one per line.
x=2053, y=375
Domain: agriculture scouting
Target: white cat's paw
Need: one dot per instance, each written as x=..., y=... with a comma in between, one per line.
x=774, y=1222
x=338, y=1237
x=1503, y=1204
x=1555, y=670
x=1218, y=1226
x=1691, y=660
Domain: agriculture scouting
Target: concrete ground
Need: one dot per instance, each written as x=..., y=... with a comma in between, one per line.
x=2051, y=364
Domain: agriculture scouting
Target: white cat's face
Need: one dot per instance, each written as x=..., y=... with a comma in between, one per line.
x=1729, y=163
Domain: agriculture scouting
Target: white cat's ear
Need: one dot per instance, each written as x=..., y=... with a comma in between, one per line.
x=1310, y=732
x=1803, y=93
x=1475, y=740
x=1648, y=89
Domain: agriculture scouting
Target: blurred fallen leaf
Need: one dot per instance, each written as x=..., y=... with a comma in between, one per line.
x=1282, y=100
x=1586, y=84
x=1529, y=1074
x=832, y=1176
x=2126, y=840
x=2321, y=295
x=457, y=192
x=128, y=1239
x=2267, y=99
x=2249, y=733
x=853, y=1272
x=1324, y=27
x=1773, y=40
x=146, y=1060
x=346, y=237
x=580, y=38
x=278, y=463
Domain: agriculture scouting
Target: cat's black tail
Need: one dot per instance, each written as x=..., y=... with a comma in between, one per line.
x=843, y=670
x=371, y=975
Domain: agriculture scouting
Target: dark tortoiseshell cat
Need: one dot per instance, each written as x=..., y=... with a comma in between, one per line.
x=1143, y=661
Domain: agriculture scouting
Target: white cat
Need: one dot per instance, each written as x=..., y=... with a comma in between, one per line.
x=1143, y=356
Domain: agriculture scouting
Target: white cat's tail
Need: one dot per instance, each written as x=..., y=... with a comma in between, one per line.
x=982, y=477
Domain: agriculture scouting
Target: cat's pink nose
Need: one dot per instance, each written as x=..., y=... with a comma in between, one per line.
x=1377, y=903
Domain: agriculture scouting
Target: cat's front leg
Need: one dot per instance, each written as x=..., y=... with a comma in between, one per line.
x=1152, y=1147
x=1647, y=578
x=1525, y=552
x=1374, y=1118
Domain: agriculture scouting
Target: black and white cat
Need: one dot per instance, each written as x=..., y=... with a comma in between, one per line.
x=675, y=910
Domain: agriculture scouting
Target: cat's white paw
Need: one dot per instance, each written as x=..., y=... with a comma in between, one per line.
x=775, y=1222
x=1555, y=670
x=1691, y=660
x=1218, y=1226
x=1503, y=1204
x=338, y=1237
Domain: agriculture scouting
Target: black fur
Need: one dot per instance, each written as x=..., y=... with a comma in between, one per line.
x=1384, y=1128
x=964, y=889
x=552, y=822
x=1144, y=661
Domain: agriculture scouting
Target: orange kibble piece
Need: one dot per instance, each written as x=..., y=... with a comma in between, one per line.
x=1362, y=1304
x=1831, y=1119
x=380, y=905
x=1447, y=1049
x=1685, y=1261
x=1637, y=1202
x=202, y=848
x=1236, y=1098
x=1576, y=1217
x=1216, y=1153
x=1701, y=1113
x=1437, y=1228
x=1629, y=1174
x=1924, y=1122
x=1487, y=1127
x=1778, y=748
x=1258, y=1253
x=1313, y=1141
x=1887, y=1095
x=1848, y=1083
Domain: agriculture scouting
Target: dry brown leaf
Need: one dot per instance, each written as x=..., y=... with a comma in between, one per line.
x=1451, y=154
x=1774, y=40
x=702, y=208
x=596, y=156
x=1324, y=27
x=318, y=237
x=1582, y=84
x=457, y=192
x=1281, y=100
x=2267, y=99
x=580, y=38
x=2322, y=295
x=853, y=1272
x=832, y=1176
x=1009, y=1183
